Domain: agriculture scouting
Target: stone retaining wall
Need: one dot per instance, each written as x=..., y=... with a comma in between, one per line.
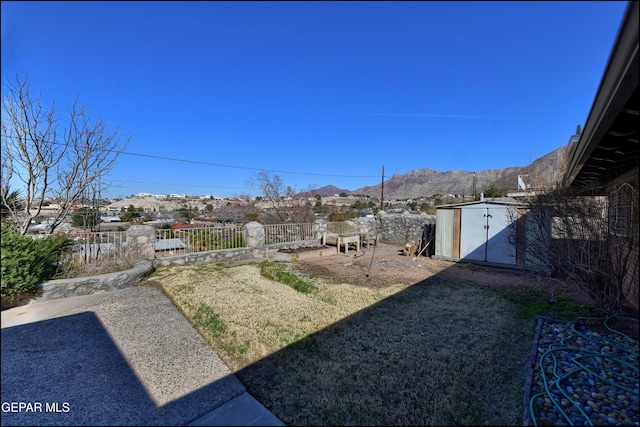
x=403, y=228
x=63, y=288
x=393, y=228
x=226, y=255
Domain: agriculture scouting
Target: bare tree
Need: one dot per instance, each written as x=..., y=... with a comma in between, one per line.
x=245, y=206
x=585, y=241
x=588, y=240
x=41, y=161
x=281, y=203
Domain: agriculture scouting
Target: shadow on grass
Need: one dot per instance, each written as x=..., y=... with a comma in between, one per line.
x=437, y=353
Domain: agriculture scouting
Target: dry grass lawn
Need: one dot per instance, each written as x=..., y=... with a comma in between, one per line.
x=438, y=352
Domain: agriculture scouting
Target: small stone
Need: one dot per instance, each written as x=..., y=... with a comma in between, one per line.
x=627, y=420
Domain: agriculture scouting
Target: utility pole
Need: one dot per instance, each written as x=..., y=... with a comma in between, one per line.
x=382, y=191
x=474, y=186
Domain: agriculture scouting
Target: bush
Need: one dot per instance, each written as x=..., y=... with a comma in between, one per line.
x=342, y=215
x=27, y=262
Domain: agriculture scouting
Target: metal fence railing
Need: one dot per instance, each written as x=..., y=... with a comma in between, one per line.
x=198, y=239
x=285, y=233
x=109, y=246
x=99, y=246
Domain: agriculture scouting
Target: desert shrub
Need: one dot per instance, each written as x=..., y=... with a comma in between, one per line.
x=341, y=214
x=77, y=266
x=27, y=261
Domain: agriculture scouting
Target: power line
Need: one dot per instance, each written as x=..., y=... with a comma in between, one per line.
x=243, y=167
x=175, y=159
x=178, y=184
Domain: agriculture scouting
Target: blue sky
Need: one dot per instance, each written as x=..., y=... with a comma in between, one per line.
x=318, y=93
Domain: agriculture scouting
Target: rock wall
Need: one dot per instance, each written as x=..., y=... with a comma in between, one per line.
x=394, y=228
x=63, y=288
x=225, y=255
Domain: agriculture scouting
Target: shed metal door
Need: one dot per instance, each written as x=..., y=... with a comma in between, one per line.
x=444, y=232
x=485, y=235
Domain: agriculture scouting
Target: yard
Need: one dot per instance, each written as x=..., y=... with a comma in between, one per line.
x=381, y=338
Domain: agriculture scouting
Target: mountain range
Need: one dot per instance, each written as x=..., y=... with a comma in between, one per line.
x=545, y=171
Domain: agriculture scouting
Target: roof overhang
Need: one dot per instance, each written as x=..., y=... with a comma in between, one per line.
x=608, y=146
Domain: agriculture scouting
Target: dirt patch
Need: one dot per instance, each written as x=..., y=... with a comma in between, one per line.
x=385, y=264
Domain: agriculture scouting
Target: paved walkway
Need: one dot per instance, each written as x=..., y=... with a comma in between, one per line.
x=119, y=358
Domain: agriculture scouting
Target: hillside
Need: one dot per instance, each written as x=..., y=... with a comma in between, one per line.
x=327, y=190
x=429, y=182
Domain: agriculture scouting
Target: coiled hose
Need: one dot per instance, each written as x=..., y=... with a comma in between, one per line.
x=589, y=361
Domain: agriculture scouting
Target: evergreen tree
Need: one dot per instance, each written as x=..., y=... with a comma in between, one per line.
x=85, y=217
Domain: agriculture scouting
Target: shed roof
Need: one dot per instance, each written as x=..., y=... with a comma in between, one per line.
x=485, y=204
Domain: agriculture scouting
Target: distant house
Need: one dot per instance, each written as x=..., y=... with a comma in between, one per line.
x=159, y=221
x=210, y=197
x=45, y=225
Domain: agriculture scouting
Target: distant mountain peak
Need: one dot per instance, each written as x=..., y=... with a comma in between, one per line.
x=428, y=182
x=327, y=190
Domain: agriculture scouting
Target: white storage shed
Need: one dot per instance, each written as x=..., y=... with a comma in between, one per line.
x=491, y=232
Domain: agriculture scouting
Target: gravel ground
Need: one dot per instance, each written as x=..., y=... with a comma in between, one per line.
x=581, y=376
